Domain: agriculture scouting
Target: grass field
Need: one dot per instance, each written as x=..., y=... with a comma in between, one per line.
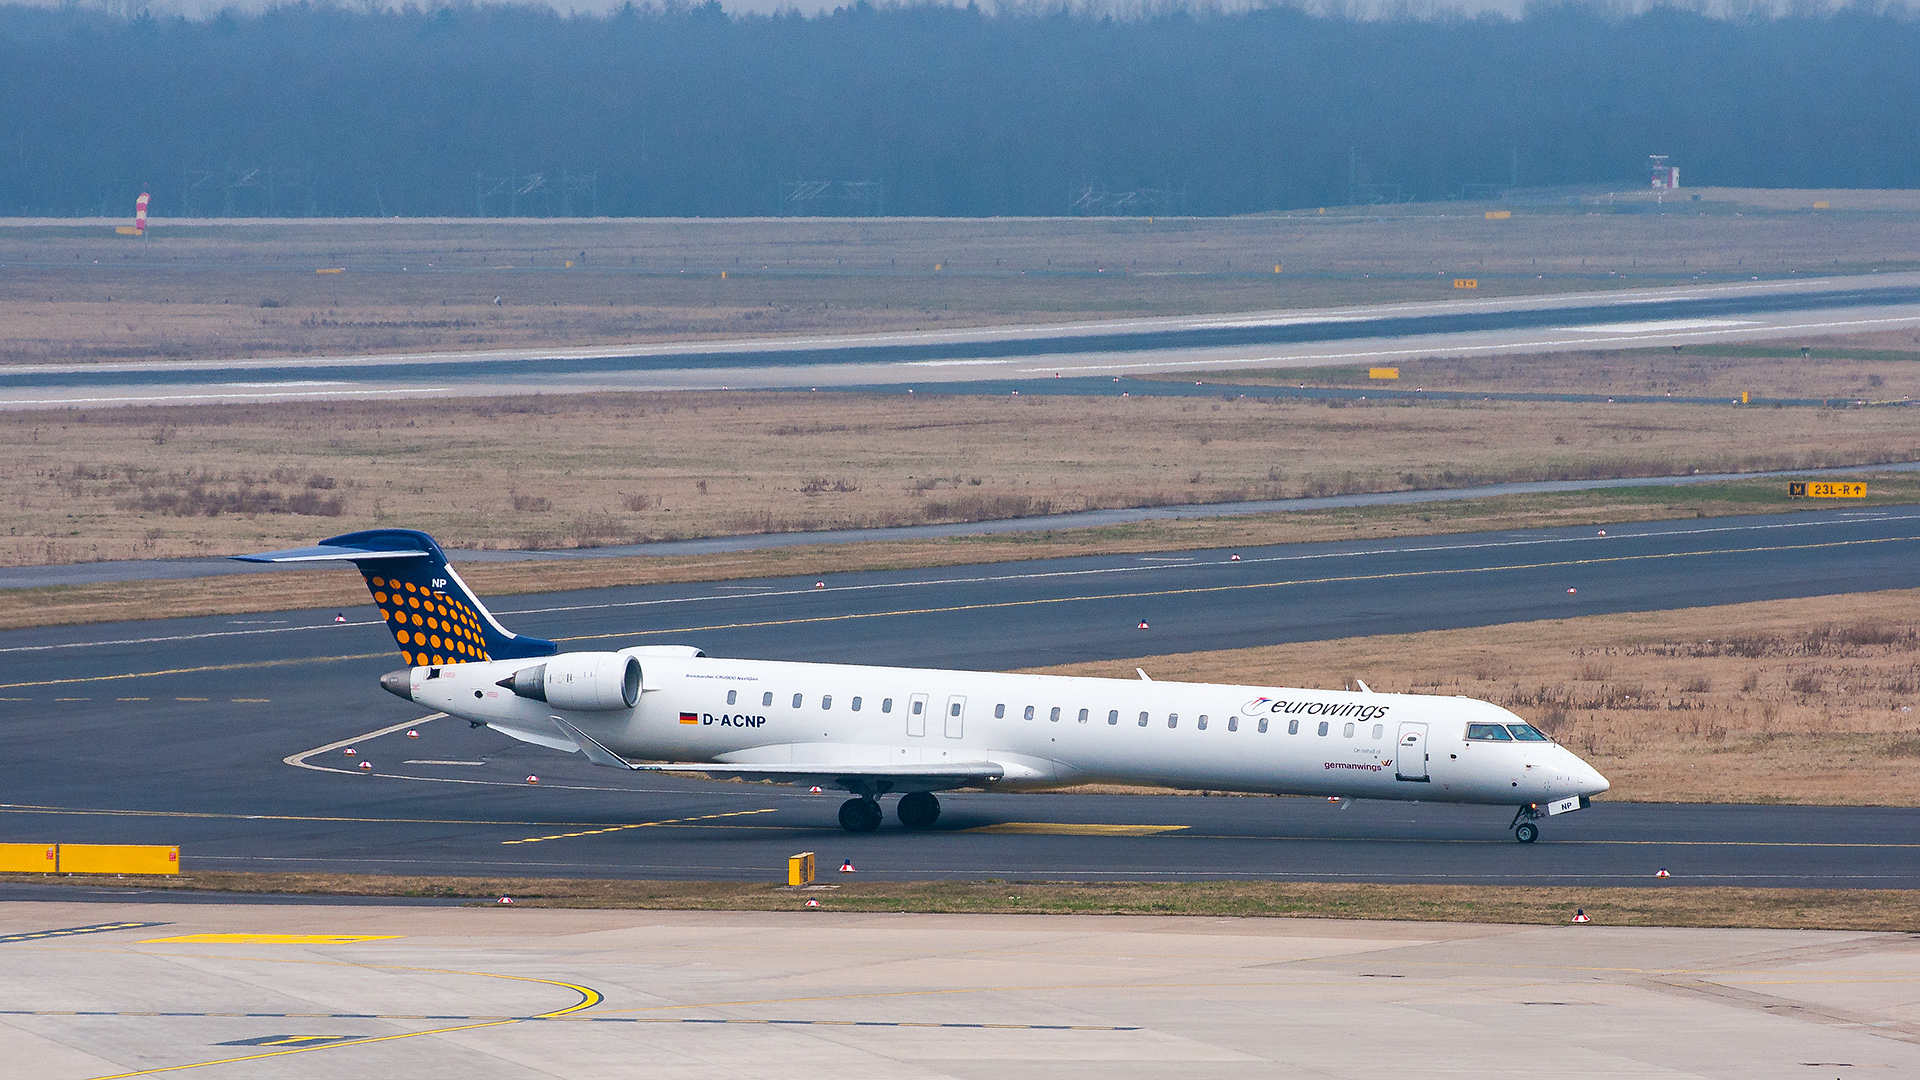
x=1785, y=701
x=1862, y=367
x=1665, y=905
x=79, y=293
x=134, y=600
x=586, y=470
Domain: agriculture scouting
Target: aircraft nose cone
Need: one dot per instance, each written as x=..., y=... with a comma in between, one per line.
x=1594, y=783
x=398, y=683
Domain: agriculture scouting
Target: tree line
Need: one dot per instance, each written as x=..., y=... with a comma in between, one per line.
x=928, y=109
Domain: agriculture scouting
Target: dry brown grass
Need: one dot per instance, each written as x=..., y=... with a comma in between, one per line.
x=82, y=294
x=1799, y=909
x=587, y=470
x=1783, y=701
x=1858, y=367
x=119, y=601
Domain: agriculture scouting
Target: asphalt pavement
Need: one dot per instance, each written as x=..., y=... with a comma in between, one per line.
x=227, y=735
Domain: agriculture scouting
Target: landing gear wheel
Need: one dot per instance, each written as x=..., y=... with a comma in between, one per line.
x=1526, y=832
x=859, y=815
x=918, y=810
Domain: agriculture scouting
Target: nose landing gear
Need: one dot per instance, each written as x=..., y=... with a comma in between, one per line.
x=860, y=815
x=1524, y=830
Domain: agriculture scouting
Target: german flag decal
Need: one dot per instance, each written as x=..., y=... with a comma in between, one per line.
x=689, y=718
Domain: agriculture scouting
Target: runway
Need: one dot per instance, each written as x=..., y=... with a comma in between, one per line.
x=227, y=735
x=1381, y=334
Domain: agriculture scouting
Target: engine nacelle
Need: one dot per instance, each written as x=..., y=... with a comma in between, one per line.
x=585, y=681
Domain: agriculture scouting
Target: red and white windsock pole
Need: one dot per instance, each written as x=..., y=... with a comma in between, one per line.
x=140, y=214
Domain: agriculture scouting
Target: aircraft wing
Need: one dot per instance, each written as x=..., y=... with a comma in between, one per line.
x=946, y=774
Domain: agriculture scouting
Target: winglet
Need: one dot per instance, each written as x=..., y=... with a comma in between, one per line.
x=596, y=751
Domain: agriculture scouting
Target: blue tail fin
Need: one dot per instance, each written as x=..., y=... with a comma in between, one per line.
x=434, y=617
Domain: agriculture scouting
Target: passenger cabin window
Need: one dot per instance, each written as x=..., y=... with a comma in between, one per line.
x=1263, y=725
x=918, y=706
x=1233, y=723
x=1029, y=712
x=1487, y=733
x=1202, y=722
x=766, y=699
x=886, y=704
x=1083, y=716
x=732, y=695
x=953, y=709
x=1000, y=711
x=1143, y=719
x=1347, y=731
x=1113, y=716
x=856, y=704
x=1054, y=715
x=1379, y=731
x=1293, y=727
x=1173, y=719
x=1528, y=733
x=1323, y=727
x=826, y=701
x=796, y=701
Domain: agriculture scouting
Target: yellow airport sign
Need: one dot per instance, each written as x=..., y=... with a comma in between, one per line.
x=1499, y=215
x=1825, y=489
x=1821, y=205
x=800, y=869
x=1383, y=373
x=126, y=230
x=331, y=270
x=1466, y=283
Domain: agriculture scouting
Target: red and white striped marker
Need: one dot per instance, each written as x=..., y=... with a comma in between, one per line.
x=504, y=900
x=813, y=903
x=819, y=584
x=1233, y=558
x=1143, y=624
x=413, y=734
x=1662, y=873
x=1580, y=915
x=846, y=866
x=140, y=214
x=533, y=779
x=350, y=751
x=366, y=765
x=814, y=790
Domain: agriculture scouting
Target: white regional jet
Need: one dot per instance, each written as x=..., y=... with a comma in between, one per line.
x=875, y=731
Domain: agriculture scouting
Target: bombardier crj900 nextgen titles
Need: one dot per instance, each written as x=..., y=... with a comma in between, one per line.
x=911, y=732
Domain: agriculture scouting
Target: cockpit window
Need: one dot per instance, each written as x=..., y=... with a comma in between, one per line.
x=1487, y=733
x=1528, y=733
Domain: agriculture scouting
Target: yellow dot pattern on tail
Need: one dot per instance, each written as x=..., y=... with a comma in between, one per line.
x=432, y=627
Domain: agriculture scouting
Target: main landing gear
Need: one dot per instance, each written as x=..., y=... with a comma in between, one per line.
x=1524, y=830
x=917, y=810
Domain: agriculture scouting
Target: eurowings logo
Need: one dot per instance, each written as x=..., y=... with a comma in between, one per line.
x=1256, y=705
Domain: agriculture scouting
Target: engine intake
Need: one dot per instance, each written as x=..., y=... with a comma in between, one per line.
x=586, y=681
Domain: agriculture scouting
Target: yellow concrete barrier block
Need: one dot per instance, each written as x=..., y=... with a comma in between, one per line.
x=1383, y=373
x=1499, y=215
x=28, y=858
x=119, y=859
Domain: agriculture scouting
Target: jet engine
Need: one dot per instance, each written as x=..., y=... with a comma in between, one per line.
x=586, y=681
